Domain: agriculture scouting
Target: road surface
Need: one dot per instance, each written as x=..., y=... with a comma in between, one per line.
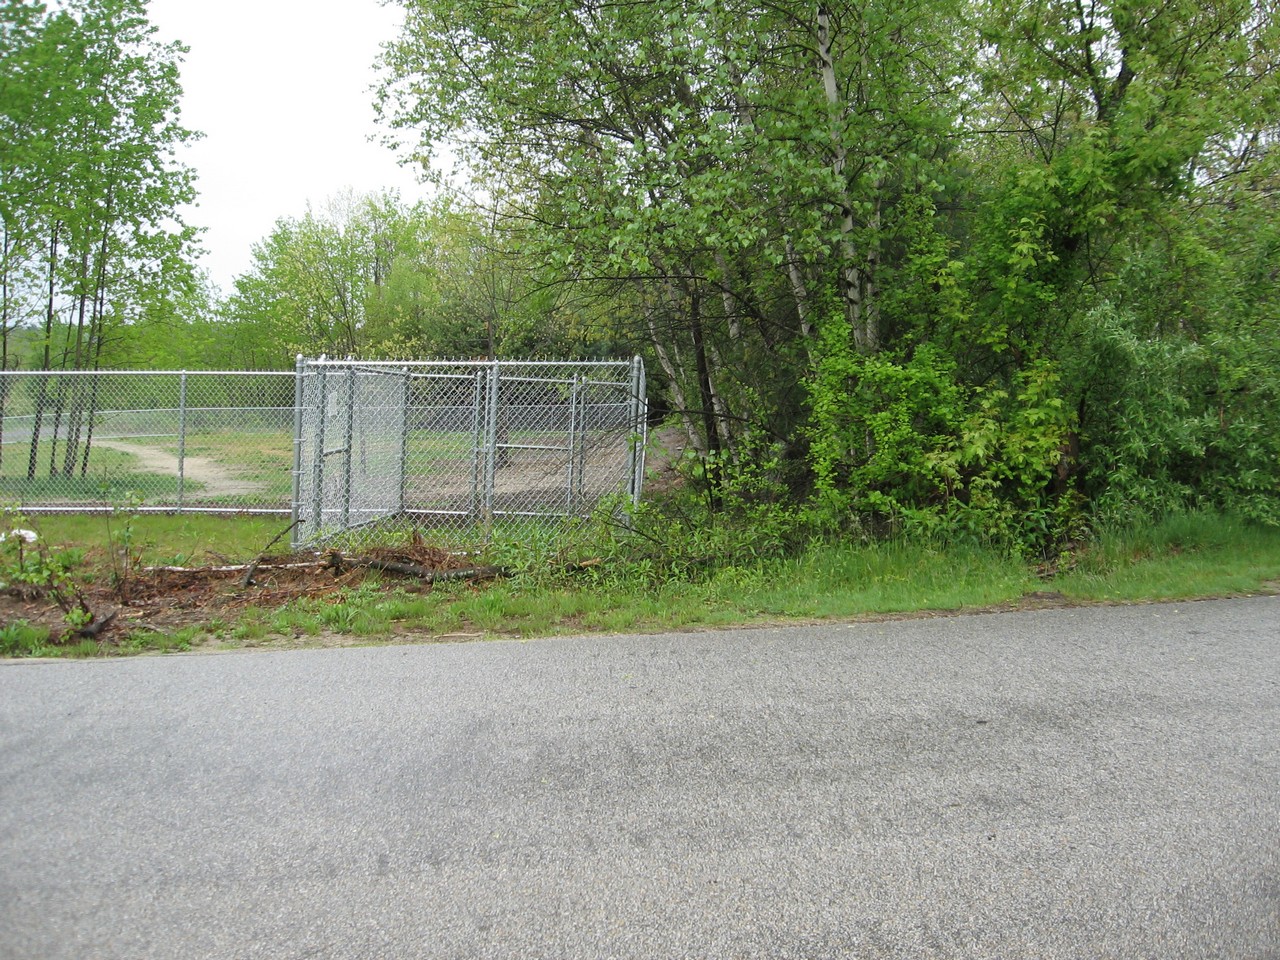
x=1082, y=783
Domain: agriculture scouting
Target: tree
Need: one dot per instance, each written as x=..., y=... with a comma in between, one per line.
x=895, y=238
x=1136, y=130
x=331, y=282
x=371, y=276
x=738, y=165
x=88, y=191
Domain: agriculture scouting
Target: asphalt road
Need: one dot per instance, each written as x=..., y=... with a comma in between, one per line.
x=1088, y=783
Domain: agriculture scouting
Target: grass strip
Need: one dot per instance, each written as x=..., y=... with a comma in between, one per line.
x=1184, y=556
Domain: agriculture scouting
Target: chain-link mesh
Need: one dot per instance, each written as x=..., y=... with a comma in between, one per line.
x=344, y=445
x=464, y=443
x=351, y=448
x=209, y=441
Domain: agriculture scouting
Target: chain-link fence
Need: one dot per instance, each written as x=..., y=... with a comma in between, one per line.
x=341, y=445
x=463, y=443
x=157, y=441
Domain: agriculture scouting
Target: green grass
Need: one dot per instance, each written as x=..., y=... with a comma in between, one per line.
x=263, y=457
x=151, y=641
x=187, y=538
x=891, y=578
x=830, y=583
x=455, y=445
x=1185, y=556
x=1182, y=556
x=21, y=639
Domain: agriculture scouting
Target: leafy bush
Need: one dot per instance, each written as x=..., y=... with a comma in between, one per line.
x=28, y=567
x=904, y=441
x=1168, y=422
x=727, y=511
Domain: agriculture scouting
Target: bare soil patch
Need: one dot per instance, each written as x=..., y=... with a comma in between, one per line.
x=216, y=478
x=167, y=599
x=666, y=449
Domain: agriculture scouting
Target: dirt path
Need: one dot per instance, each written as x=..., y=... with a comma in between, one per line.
x=215, y=478
x=219, y=480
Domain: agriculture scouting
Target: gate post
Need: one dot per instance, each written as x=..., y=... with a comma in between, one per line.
x=182, y=438
x=350, y=450
x=317, y=466
x=490, y=451
x=295, y=498
x=477, y=442
x=404, y=396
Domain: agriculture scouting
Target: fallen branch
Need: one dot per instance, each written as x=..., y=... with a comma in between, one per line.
x=247, y=579
x=425, y=574
x=238, y=567
x=334, y=560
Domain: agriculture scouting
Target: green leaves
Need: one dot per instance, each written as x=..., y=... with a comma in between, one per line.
x=373, y=277
x=88, y=189
x=914, y=212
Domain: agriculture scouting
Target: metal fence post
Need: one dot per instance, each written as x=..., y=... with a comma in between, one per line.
x=295, y=498
x=477, y=441
x=317, y=465
x=639, y=429
x=405, y=395
x=182, y=437
x=408, y=433
x=573, y=443
x=584, y=407
x=349, y=445
x=490, y=450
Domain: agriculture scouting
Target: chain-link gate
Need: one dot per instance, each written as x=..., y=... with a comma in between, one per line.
x=462, y=443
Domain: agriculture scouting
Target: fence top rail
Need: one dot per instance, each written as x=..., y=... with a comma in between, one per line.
x=374, y=365
x=147, y=373
x=400, y=370
x=404, y=365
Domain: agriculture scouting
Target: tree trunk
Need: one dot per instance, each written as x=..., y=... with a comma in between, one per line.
x=862, y=322
x=74, y=410
x=705, y=394
x=97, y=336
x=671, y=369
x=799, y=291
x=43, y=389
x=60, y=405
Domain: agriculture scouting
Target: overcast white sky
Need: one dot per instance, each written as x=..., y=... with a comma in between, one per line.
x=280, y=89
